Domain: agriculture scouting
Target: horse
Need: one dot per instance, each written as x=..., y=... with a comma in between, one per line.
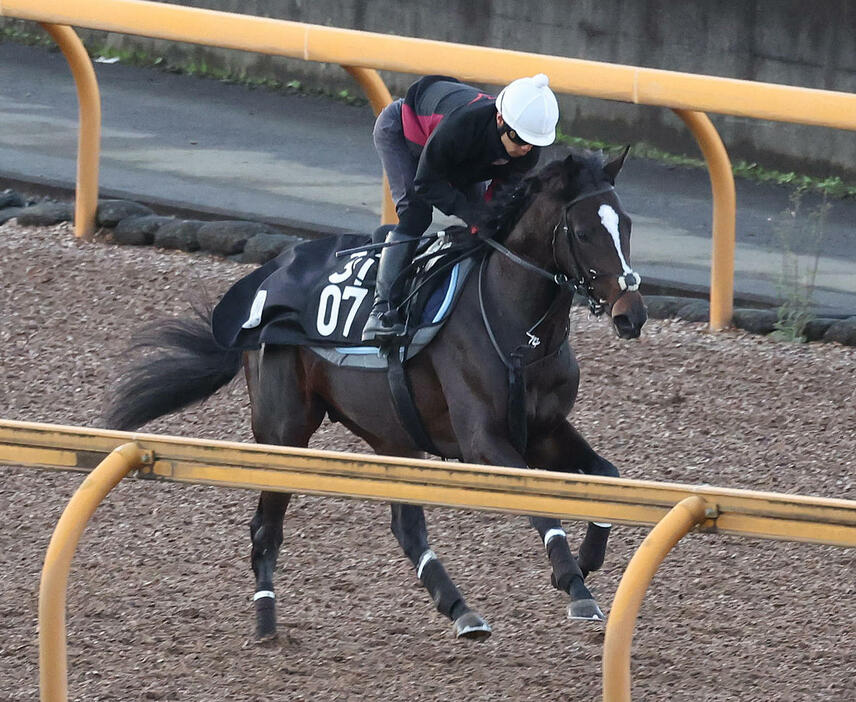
x=560, y=232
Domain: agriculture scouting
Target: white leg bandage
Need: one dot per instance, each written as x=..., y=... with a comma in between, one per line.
x=552, y=534
x=423, y=561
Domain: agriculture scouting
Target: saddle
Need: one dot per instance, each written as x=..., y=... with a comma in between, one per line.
x=311, y=295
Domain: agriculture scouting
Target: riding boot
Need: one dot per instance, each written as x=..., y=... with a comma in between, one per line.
x=385, y=321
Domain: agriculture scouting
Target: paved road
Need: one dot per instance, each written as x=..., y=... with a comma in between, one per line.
x=307, y=163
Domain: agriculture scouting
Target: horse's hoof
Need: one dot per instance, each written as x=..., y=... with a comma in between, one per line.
x=585, y=610
x=268, y=637
x=471, y=626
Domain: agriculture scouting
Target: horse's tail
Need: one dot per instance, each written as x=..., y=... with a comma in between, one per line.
x=182, y=364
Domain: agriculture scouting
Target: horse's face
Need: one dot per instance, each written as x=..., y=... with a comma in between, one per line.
x=592, y=244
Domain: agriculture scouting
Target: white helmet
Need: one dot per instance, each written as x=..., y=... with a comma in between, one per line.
x=528, y=106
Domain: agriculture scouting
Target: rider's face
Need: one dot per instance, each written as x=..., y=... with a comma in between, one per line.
x=513, y=147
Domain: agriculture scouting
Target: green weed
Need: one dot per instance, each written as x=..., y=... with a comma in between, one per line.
x=797, y=280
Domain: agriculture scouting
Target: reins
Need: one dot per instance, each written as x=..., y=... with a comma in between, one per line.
x=582, y=284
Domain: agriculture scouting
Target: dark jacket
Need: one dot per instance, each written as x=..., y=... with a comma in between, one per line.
x=451, y=127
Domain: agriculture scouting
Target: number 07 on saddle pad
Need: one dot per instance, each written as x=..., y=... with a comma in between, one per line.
x=308, y=296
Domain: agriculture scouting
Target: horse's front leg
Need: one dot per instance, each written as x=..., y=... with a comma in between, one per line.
x=564, y=449
x=408, y=525
x=567, y=576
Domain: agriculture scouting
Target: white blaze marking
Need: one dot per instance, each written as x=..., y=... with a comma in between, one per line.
x=609, y=219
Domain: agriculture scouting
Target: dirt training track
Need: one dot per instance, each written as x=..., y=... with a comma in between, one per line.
x=160, y=593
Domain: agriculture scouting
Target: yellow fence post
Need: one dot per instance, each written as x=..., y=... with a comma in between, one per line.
x=89, y=135
x=379, y=97
x=631, y=591
x=724, y=216
x=53, y=666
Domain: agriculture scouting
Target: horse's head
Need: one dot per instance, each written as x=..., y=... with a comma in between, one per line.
x=591, y=236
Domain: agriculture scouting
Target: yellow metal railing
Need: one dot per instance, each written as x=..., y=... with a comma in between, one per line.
x=689, y=95
x=89, y=134
x=351, y=47
x=672, y=509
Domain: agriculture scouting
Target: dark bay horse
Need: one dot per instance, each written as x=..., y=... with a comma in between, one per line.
x=561, y=231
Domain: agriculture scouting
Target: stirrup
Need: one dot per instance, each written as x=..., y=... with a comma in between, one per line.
x=379, y=329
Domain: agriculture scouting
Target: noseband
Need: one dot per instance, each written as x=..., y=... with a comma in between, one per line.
x=583, y=283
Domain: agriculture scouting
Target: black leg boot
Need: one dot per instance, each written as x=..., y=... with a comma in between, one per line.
x=384, y=322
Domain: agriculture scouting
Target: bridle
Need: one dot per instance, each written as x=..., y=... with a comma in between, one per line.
x=583, y=282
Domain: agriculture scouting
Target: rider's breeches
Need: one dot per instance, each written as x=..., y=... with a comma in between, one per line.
x=399, y=164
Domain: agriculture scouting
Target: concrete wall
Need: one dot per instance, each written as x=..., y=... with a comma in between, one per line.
x=797, y=42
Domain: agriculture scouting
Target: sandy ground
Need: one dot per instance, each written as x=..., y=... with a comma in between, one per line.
x=160, y=594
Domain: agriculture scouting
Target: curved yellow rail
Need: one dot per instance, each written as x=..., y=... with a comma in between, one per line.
x=724, y=198
x=89, y=135
x=310, y=471
x=350, y=47
x=631, y=591
x=53, y=664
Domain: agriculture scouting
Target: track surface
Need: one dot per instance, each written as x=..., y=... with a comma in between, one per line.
x=159, y=601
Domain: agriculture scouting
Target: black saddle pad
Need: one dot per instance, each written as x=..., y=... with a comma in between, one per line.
x=309, y=296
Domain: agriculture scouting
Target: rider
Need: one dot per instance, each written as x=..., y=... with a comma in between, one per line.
x=439, y=146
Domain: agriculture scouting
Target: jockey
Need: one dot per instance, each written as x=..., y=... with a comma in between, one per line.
x=439, y=146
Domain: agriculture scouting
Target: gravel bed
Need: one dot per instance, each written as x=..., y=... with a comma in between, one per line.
x=160, y=593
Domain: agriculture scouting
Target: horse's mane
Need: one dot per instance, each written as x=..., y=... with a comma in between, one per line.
x=512, y=200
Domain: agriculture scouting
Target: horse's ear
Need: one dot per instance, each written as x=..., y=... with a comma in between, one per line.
x=572, y=164
x=613, y=167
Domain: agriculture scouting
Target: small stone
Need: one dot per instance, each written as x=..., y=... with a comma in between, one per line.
x=9, y=213
x=111, y=212
x=9, y=198
x=46, y=213
x=228, y=238
x=179, y=234
x=665, y=306
x=695, y=311
x=842, y=331
x=816, y=328
x=139, y=231
x=263, y=247
x=755, y=321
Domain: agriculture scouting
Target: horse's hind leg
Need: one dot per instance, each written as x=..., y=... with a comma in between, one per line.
x=284, y=413
x=266, y=537
x=408, y=525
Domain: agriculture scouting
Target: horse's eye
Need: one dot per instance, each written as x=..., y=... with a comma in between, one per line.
x=582, y=234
